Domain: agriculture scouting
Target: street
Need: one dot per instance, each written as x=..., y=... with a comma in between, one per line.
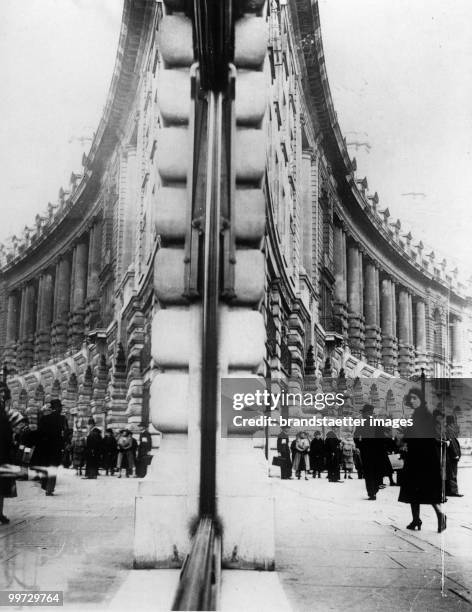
x=335, y=550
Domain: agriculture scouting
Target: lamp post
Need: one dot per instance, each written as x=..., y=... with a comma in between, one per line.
x=423, y=385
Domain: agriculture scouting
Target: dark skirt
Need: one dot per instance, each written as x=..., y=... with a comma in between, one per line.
x=422, y=478
x=7, y=487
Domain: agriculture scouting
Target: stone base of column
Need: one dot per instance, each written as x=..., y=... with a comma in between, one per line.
x=406, y=360
x=167, y=507
x=135, y=401
x=373, y=345
x=390, y=354
x=59, y=334
x=341, y=319
x=92, y=313
x=117, y=415
x=9, y=356
x=76, y=329
x=42, y=346
x=26, y=353
x=356, y=335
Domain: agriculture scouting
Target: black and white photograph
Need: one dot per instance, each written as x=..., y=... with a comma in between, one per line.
x=236, y=305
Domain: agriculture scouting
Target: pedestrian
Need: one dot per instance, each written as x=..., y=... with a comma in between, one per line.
x=109, y=452
x=388, y=447
x=301, y=458
x=317, y=454
x=7, y=481
x=347, y=449
x=125, y=451
x=372, y=453
x=421, y=481
x=283, y=450
x=78, y=445
x=358, y=463
x=143, y=456
x=52, y=434
x=93, y=453
x=67, y=452
x=453, y=455
x=333, y=457
x=134, y=450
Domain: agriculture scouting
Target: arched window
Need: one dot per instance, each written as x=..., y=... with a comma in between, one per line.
x=390, y=403
x=39, y=395
x=56, y=389
x=374, y=396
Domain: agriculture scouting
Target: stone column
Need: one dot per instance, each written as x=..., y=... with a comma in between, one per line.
x=78, y=295
x=94, y=265
x=340, y=290
x=405, y=352
x=61, y=306
x=394, y=310
x=13, y=319
x=377, y=296
x=386, y=320
x=354, y=296
x=44, y=317
x=410, y=313
x=420, y=311
x=456, y=347
x=372, y=329
x=27, y=326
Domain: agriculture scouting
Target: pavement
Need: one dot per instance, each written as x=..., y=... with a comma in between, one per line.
x=334, y=550
x=338, y=550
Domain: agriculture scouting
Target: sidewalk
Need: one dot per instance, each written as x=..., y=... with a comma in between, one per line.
x=335, y=551
x=78, y=541
x=338, y=551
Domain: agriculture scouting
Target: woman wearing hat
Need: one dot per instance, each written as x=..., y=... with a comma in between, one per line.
x=422, y=481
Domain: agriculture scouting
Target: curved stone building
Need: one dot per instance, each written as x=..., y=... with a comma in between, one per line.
x=348, y=292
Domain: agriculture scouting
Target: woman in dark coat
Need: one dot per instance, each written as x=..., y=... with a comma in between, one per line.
x=7, y=483
x=93, y=453
x=333, y=457
x=283, y=449
x=110, y=452
x=422, y=478
x=317, y=454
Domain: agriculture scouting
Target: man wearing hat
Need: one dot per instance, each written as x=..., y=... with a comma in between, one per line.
x=143, y=456
x=370, y=447
x=52, y=435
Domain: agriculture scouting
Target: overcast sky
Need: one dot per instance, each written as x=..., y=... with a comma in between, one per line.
x=400, y=74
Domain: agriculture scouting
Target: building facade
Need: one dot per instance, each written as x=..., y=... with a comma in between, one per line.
x=348, y=293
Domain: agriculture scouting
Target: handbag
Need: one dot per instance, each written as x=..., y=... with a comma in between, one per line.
x=278, y=461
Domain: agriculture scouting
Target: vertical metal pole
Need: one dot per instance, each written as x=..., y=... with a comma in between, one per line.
x=211, y=271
